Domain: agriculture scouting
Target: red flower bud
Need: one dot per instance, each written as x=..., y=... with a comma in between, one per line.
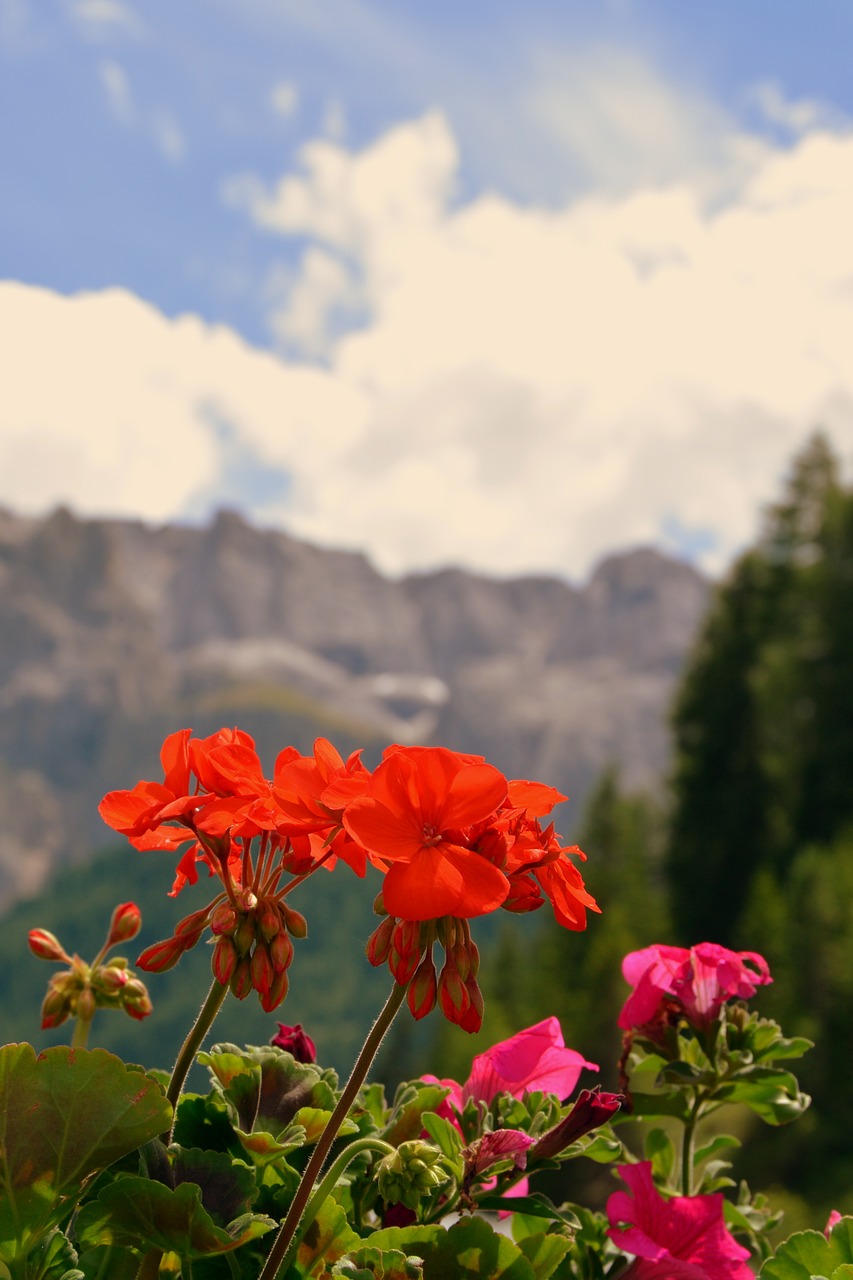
x=472, y=1019
x=452, y=994
x=294, y=921
x=422, y=992
x=262, y=969
x=269, y=922
x=135, y=1000
x=241, y=978
x=244, y=935
x=379, y=943
x=55, y=1008
x=277, y=992
x=223, y=919
x=296, y=1042
x=125, y=924
x=85, y=1005
x=163, y=955
x=224, y=959
x=110, y=979
x=193, y=925
x=46, y=946
x=281, y=952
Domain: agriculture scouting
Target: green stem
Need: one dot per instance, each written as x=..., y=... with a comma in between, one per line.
x=687, y=1147
x=80, y=1037
x=362, y=1065
x=192, y=1044
x=327, y=1186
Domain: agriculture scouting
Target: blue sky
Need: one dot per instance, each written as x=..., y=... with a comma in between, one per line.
x=500, y=285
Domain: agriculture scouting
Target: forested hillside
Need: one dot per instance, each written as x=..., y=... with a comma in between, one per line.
x=754, y=847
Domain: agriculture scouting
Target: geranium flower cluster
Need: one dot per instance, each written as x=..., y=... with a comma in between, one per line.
x=453, y=838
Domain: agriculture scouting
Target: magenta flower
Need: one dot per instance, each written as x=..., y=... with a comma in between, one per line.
x=683, y=1238
x=701, y=980
x=532, y=1060
x=500, y=1144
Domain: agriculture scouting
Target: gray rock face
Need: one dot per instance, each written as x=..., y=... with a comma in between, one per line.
x=113, y=633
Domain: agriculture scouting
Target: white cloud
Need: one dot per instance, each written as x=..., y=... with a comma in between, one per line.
x=527, y=388
x=169, y=137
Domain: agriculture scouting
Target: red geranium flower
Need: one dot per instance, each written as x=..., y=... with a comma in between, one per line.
x=418, y=811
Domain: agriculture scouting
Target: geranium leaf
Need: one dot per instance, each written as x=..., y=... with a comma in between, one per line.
x=535, y=1205
x=138, y=1214
x=368, y=1263
x=67, y=1114
x=470, y=1250
x=108, y=1263
x=544, y=1253
x=328, y=1238
x=808, y=1254
x=406, y=1120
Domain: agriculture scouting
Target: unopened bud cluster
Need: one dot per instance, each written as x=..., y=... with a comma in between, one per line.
x=407, y=946
x=410, y=1173
x=252, y=949
x=80, y=989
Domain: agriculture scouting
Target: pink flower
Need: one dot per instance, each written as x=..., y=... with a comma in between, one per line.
x=296, y=1042
x=701, y=980
x=532, y=1060
x=500, y=1144
x=684, y=1238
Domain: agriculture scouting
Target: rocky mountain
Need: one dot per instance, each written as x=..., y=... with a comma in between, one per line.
x=113, y=633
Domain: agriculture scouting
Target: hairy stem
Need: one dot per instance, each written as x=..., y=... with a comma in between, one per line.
x=192, y=1044
x=363, y=1063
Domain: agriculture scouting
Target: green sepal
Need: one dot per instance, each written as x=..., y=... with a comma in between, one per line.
x=544, y=1253
x=411, y=1101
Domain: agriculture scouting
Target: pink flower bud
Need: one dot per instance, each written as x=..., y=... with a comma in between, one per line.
x=46, y=946
x=55, y=1008
x=223, y=919
x=110, y=979
x=125, y=924
x=136, y=1001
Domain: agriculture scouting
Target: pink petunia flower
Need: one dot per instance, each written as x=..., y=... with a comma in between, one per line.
x=684, y=1238
x=700, y=979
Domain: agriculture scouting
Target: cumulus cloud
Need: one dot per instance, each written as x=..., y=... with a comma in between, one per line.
x=284, y=99
x=519, y=388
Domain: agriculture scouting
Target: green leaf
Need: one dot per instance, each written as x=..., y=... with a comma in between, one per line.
x=367, y=1263
x=138, y=1214
x=327, y=1239
x=661, y=1152
x=410, y=1104
x=544, y=1253
x=67, y=1114
x=470, y=1250
x=108, y=1263
x=808, y=1254
x=647, y=1105
x=772, y=1094
x=445, y=1136
x=227, y=1186
x=535, y=1205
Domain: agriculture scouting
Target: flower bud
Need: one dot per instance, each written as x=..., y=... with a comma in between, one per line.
x=269, y=922
x=592, y=1109
x=277, y=992
x=163, y=955
x=85, y=1005
x=46, y=946
x=422, y=992
x=262, y=969
x=109, y=979
x=452, y=994
x=241, y=978
x=295, y=1041
x=379, y=943
x=223, y=960
x=281, y=952
x=125, y=924
x=56, y=1007
x=135, y=1000
x=193, y=925
x=472, y=1019
x=224, y=919
x=295, y=922
x=244, y=935
x=411, y=1172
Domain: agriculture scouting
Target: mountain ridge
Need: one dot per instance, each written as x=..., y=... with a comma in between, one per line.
x=114, y=632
